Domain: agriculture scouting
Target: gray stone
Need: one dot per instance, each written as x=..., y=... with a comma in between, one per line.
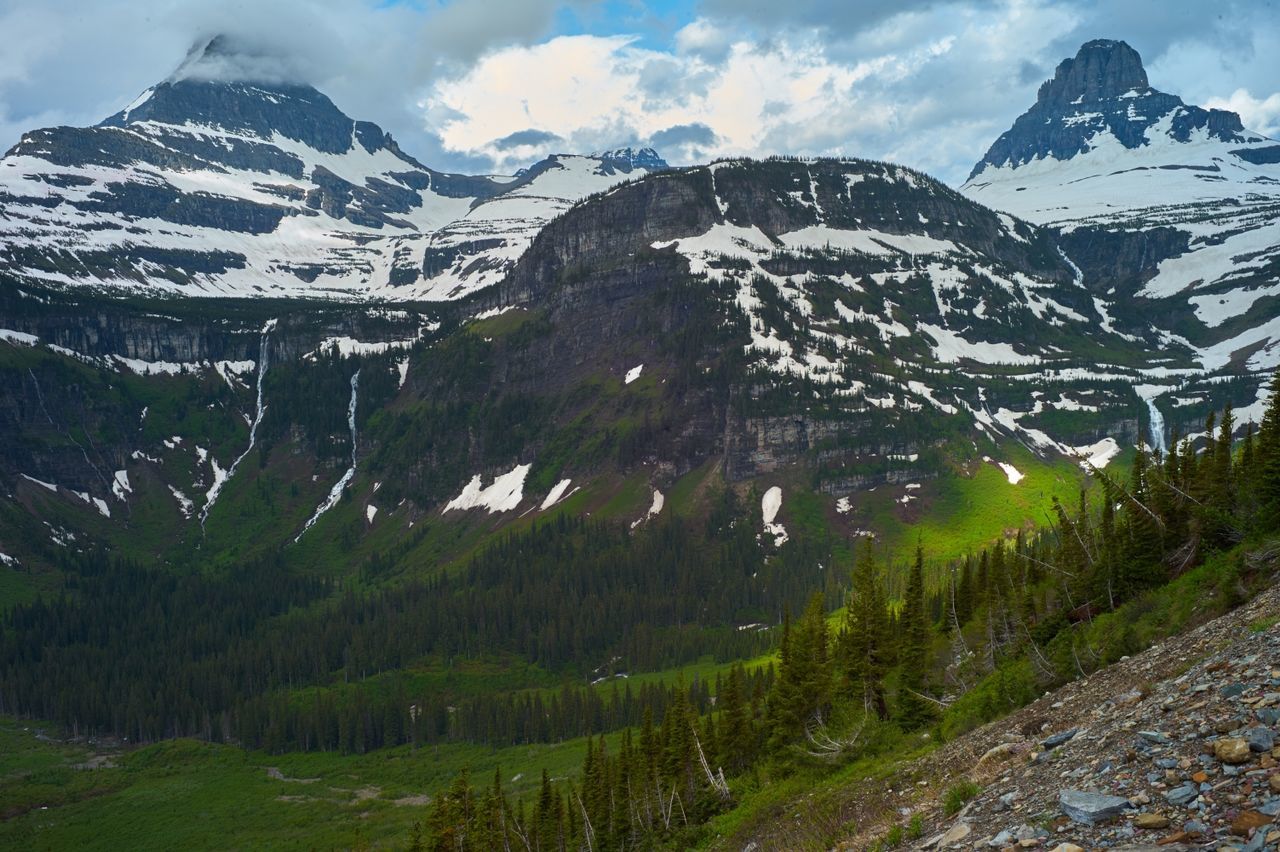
x=1087, y=807
x=1059, y=738
x=1155, y=737
x=1260, y=739
x=1256, y=844
x=1182, y=795
x=955, y=834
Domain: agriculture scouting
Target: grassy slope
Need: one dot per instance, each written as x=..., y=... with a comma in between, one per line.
x=184, y=794
x=958, y=513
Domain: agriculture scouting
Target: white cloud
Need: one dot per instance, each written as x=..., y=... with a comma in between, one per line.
x=784, y=96
x=1261, y=115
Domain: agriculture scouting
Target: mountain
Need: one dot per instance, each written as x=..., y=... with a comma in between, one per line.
x=1174, y=206
x=850, y=330
x=478, y=248
x=1101, y=144
x=213, y=184
x=847, y=329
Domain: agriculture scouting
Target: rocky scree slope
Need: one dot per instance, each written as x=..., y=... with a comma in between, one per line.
x=1176, y=746
x=1172, y=748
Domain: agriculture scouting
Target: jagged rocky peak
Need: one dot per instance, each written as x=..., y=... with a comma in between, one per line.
x=1100, y=97
x=1103, y=69
x=626, y=159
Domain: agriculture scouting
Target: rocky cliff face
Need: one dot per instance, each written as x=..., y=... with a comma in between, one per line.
x=877, y=304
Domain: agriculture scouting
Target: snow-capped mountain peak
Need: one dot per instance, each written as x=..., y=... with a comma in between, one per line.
x=1100, y=142
x=233, y=177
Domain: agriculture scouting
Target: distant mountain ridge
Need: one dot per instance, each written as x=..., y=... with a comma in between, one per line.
x=1100, y=143
x=212, y=185
x=838, y=325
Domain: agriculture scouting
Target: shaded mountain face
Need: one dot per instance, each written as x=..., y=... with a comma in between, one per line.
x=210, y=184
x=1175, y=208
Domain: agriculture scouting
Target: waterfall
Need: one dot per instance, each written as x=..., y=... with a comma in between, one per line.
x=1156, y=426
x=220, y=477
x=335, y=493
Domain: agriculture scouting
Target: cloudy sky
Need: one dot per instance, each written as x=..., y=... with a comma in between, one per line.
x=492, y=85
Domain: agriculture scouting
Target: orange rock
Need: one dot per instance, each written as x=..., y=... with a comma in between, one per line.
x=1200, y=777
x=1176, y=837
x=1248, y=820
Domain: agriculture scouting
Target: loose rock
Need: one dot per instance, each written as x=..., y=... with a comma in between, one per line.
x=1088, y=808
x=1232, y=750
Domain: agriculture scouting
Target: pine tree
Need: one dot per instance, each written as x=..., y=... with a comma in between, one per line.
x=801, y=694
x=737, y=741
x=865, y=633
x=913, y=709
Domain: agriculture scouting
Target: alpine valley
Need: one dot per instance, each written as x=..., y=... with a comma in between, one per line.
x=326, y=474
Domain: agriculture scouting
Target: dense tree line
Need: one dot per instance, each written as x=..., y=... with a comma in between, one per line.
x=148, y=653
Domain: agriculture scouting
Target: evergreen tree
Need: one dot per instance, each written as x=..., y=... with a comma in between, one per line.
x=913, y=709
x=866, y=633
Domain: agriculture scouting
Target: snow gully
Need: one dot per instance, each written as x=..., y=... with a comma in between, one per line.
x=335, y=493
x=220, y=477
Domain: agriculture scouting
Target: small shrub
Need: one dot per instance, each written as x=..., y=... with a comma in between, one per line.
x=958, y=795
x=894, y=837
x=1262, y=625
x=915, y=830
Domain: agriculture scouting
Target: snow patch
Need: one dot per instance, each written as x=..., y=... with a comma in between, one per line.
x=633, y=374
x=1098, y=455
x=41, y=483
x=120, y=485
x=654, y=508
x=503, y=495
x=1015, y=476
x=770, y=504
x=19, y=337
x=556, y=494
x=184, y=503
